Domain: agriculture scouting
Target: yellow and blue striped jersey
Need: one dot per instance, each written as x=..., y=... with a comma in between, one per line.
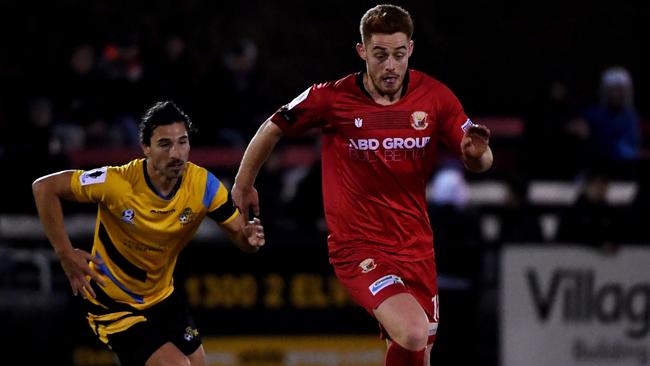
x=139, y=233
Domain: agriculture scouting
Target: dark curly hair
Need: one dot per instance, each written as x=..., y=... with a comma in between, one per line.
x=160, y=114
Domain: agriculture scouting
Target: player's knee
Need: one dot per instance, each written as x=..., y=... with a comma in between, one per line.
x=413, y=336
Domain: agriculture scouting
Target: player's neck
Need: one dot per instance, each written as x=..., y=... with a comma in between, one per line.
x=379, y=97
x=163, y=185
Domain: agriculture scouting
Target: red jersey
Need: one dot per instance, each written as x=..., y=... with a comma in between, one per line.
x=377, y=160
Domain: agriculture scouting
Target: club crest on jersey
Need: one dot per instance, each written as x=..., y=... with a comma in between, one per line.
x=190, y=333
x=128, y=215
x=186, y=216
x=419, y=120
x=358, y=122
x=367, y=265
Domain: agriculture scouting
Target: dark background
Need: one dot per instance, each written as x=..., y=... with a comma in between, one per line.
x=494, y=54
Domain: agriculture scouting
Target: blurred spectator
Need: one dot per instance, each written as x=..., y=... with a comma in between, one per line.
x=519, y=221
x=98, y=95
x=121, y=65
x=272, y=206
x=241, y=64
x=306, y=207
x=591, y=220
x=121, y=59
x=234, y=86
x=551, y=119
x=635, y=229
x=459, y=260
x=81, y=99
x=613, y=127
x=42, y=148
x=46, y=147
x=169, y=72
x=455, y=224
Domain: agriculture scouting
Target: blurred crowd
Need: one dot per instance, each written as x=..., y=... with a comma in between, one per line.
x=97, y=98
x=85, y=85
x=94, y=92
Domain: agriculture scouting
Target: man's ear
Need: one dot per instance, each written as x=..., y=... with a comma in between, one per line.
x=361, y=51
x=145, y=149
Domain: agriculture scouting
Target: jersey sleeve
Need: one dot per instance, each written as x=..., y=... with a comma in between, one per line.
x=97, y=185
x=453, y=120
x=218, y=201
x=306, y=111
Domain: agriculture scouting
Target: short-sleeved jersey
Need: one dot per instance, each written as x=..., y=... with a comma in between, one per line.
x=139, y=233
x=377, y=160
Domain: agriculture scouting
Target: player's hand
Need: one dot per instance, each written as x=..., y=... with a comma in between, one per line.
x=475, y=141
x=254, y=233
x=246, y=198
x=76, y=267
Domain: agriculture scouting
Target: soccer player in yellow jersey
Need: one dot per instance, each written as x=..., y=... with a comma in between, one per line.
x=149, y=210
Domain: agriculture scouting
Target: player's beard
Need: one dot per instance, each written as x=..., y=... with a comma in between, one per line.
x=174, y=169
x=391, y=88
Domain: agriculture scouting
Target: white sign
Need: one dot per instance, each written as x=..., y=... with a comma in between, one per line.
x=575, y=306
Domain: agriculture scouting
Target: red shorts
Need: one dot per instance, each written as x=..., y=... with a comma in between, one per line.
x=372, y=277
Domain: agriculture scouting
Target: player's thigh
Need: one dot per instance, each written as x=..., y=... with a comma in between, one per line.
x=402, y=316
x=420, y=277
x=168, y=355
x=198, y=357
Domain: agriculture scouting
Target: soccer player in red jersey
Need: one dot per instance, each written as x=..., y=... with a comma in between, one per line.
x=379, y=129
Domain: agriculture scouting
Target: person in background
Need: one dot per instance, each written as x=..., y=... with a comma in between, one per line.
x=591, y=220
x=613, y=131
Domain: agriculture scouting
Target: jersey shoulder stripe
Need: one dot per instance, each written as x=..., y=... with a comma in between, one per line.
x=211, y=187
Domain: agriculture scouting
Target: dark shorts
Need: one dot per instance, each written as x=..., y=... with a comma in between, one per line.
x=134, y=335
x=372, y=277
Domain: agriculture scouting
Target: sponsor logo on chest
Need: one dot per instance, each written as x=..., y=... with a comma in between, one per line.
x=412, y=137
x=388, y=143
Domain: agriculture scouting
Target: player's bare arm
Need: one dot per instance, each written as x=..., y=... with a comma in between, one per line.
x=48, y=193
x=477, y=155
x=243, y=193
x=247, y=235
